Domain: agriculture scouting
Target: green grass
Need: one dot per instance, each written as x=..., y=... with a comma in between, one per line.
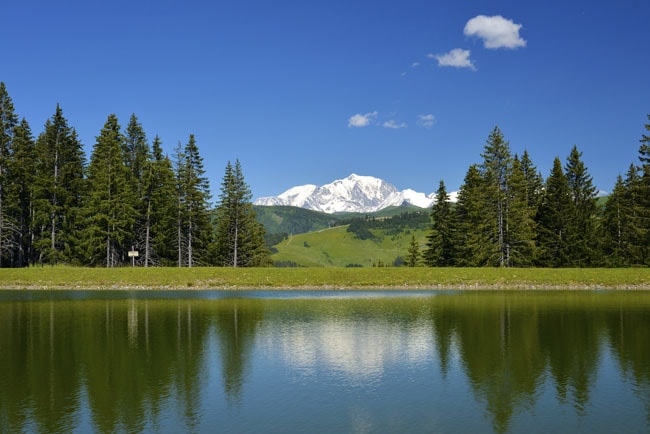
x=322, y=278
x=336, y=247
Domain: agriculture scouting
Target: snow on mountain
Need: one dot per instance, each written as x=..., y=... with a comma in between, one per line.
x=352, y=194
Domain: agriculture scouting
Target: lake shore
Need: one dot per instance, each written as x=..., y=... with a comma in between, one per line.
x=214, y=278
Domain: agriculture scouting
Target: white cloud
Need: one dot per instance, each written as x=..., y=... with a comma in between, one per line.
x=457, y=58
x=415, y=64
x=496, y=32
x=394, y=125
x=360, y=121
x=426, y=121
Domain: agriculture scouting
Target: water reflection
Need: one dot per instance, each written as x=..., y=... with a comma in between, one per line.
x=448, y=361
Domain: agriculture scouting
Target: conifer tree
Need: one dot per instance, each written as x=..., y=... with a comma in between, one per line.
x=553, y=218
x=441, y=241
x=581, y=233
x=521, y=210
x=159, y=208
x=239, y=239
x=618, y=240
x=21, y=172
x=193, y=217
x=471, y=224
x=109, y=206
x=643, y=194
x=413, y=254
x=57, y=191
x=136, y=152
x=8, y=121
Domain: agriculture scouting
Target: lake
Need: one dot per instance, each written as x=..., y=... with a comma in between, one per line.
x=325, y=361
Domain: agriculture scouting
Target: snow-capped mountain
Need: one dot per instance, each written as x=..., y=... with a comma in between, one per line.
x=352, y=194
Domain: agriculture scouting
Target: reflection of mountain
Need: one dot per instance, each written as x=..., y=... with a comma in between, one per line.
x=126, y=365
x=356, y=348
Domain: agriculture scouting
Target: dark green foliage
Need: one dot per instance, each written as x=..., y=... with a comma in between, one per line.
x=194, y=228
x=58, y=189
x=581, y=236
x=469, y=211
x=520, y=216
x=442, y=240
x=239, y=237
x=293, y=220
x=413, y=254
x=8, y=225
x=21, y=173
x=360, y=230
x=553, y=219
x=109, y=209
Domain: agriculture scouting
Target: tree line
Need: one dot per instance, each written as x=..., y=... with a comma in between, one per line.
x=507, y=215
x=57, y=208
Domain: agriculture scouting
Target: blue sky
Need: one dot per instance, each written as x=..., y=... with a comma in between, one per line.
x=311, y=91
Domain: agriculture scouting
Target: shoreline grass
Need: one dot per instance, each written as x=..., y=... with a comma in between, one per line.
x=64, y=277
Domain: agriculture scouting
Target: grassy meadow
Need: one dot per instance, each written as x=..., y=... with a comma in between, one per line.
x=323, y=278
x=336, y=247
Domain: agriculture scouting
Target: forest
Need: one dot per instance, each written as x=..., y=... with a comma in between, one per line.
x=58, y=208
x=507, y=215
x=130, y=203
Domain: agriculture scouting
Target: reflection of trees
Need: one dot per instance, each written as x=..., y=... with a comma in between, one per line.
x=106, y=351
x=509, y=341
x=236, y=322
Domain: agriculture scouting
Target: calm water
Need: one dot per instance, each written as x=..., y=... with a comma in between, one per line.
x=336, y=362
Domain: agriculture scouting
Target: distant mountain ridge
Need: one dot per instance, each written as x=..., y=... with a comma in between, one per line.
x=360, y=194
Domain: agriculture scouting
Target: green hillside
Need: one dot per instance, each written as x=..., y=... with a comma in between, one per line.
x=292, y=220
x=336, y=247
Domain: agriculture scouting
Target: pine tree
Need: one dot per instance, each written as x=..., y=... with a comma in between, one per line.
x=497, y=163
x=8, y=227
x=553, y=218
x=441, y=241
x=617, y=245
x=193, y=218
x=239, y=239
x=521, y=210
x=109, y=205
x=413, y=254
x=58, y=189
x=581, y=235
x=21, y=172
x=136, y=152
x=471, y=224
x=643, y=194
x=158, y=218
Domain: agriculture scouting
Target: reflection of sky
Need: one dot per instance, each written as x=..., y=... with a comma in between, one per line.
x=356, y=349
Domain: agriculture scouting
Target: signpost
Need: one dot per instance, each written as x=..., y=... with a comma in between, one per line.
x=133, y=254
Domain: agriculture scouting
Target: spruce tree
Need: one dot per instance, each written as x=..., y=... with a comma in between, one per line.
x=57, y=192
x=470, y=219
x=239, y=238
x=413, y=254
x=643, y=194
x=193, y=218
x=158, y=218
x=581, y=234
x=617, y=244
x=553, y=218
x=8, y=226
x=109, y=205
x=441, y=242
x=21, y=172
x=520, y=217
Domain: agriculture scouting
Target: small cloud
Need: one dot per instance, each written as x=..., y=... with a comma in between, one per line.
x=426, y=121
x=394, y=125
x=458, y=58
x=496, y=32
x=360, y=121
x=415, y=64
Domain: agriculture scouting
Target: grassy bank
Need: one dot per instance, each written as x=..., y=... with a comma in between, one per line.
x=319, y=278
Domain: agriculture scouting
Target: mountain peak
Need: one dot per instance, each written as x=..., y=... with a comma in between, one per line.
x=356, y=193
